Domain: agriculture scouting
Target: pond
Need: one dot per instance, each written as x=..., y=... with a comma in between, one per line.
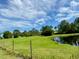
x=72, y=40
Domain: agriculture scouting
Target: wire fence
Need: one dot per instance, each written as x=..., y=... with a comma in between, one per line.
x=12, y=50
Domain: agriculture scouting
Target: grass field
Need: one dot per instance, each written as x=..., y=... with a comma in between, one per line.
x=43, y=47
x=4, y=55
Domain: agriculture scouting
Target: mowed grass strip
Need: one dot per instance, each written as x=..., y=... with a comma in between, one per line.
x=43, y=47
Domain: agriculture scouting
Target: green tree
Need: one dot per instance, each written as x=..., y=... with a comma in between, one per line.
x=24, y=34
x=72, y=29
x=63, y=27
x=34, y=32
x=16, y=33
x=46, y=30
x=76, y=22
x=7, y=34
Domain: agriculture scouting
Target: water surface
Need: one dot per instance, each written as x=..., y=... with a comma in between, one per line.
x=72, y=40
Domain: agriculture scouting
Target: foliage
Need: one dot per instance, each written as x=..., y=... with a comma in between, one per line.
x=34, y=32
x=46, y=30
x=63, y=27
x=66, y=27
x=24, y=34
x=7, y=34
x=76, y=22
x=16, y=33
x=72, y=29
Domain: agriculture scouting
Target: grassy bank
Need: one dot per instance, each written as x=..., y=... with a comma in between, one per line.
x=72, y=34
x=4, y=55
x=42, y=46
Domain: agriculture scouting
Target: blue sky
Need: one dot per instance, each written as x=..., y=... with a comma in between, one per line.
x=27, y=14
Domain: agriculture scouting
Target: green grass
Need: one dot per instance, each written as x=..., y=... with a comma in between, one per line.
x=4, y=55
x=72, y=34
x=42, y=46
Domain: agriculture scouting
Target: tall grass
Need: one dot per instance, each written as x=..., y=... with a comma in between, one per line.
x=43, y=48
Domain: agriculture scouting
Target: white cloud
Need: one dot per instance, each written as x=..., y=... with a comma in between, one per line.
x=3, y=20
x=34, y=9
x=64, y=18
x=21, y=24
x=40, y=21
x=29, y=9
x=7, y=23
x=26, y=8
x=74, y=3
x=66, y=13
x=75, y=13
x=65, y=10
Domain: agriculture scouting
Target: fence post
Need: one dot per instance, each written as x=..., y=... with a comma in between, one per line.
x=30, y=49
x=13, y=45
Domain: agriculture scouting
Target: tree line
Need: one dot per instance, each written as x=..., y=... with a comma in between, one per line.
x=45, y=31
x=63, y=28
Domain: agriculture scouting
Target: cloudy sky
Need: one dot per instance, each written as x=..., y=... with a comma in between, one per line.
x=27, y=14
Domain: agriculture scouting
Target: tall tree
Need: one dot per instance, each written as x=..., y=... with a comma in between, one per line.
x=24, y=34
x=72, y=29
x=16, y=33
x=76, y=22
x=63, y=27
x=34, y=32
x=7, y=34
x=46, y=30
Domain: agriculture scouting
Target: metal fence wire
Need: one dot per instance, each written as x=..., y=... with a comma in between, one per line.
x=12, y=51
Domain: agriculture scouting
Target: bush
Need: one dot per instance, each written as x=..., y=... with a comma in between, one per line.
x=46, y=30
x=34, y=32
x=7, y=34
x=16, y=33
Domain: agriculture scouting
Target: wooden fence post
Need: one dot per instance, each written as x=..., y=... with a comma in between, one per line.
x=13, y=45
x=30, y=49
